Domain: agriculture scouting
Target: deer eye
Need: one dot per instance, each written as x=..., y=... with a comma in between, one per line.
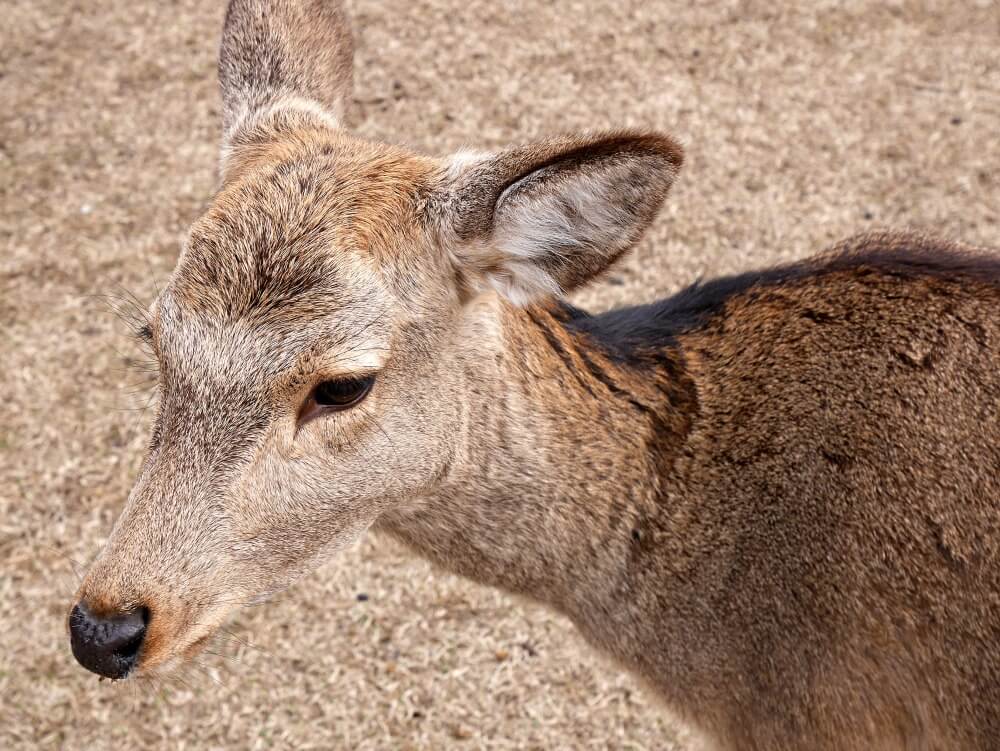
x=336, y=395
x=343, y=392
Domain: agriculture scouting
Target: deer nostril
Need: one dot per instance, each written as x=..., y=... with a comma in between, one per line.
x=107, y=645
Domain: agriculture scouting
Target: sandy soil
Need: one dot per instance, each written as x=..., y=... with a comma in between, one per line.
x=804, y=122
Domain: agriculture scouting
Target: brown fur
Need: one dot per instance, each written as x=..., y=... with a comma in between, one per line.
x=774, y=497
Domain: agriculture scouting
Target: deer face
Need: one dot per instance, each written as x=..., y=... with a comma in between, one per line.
x=290, y=339
x=313, y=340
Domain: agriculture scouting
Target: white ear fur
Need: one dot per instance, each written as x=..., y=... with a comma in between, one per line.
x=537, y=221
x=556, y=225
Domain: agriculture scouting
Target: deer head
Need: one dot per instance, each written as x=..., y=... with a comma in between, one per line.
x=314, y=339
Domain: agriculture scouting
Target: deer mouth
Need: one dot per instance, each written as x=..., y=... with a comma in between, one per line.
x=171, y=642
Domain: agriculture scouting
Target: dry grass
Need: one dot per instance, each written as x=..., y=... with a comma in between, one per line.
x=802, y=126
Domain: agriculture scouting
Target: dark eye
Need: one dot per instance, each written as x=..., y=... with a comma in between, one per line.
x=336, y=395
x=342, y=393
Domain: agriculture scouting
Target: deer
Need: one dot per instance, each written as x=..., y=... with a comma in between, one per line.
x=774, y=497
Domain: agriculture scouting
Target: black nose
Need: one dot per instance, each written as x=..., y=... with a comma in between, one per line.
x=108, y=646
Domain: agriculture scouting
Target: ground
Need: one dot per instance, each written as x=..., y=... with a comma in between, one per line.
x=803, y=123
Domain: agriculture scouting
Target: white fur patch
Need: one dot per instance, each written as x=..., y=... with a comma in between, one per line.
x=577, y=216
x=582, y=214
x=524, y=283
x=464, y=158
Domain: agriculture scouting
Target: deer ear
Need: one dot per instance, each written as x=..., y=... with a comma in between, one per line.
x=282, y=56
x=539, y=220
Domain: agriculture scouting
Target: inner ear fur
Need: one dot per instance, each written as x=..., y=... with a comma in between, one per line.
x=544, y=218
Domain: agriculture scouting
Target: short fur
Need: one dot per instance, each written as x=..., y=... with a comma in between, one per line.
x=774, y=497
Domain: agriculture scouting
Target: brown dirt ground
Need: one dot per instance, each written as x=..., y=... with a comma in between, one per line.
x=804, y=122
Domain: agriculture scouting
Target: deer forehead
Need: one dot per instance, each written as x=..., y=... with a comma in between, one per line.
x=297, y=260
x=255, y=312
x=372, y=195
x=282, y=350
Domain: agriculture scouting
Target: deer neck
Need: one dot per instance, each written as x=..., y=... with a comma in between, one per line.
x=559, y=476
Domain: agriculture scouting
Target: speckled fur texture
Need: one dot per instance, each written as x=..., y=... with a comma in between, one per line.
x=774, y=497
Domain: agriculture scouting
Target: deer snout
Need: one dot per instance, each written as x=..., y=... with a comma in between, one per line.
x=107, y=644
